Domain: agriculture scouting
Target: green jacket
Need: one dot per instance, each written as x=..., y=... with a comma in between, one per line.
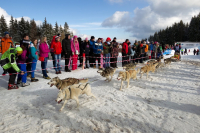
x=106, y=48
x=8, y=60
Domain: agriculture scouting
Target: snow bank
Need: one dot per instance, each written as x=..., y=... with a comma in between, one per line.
x=167, y=102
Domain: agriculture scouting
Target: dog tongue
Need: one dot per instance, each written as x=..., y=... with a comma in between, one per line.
x=51, y=85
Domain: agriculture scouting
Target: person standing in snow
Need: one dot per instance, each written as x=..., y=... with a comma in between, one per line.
x=197, y=51
x=106, y=50
x=57, y=49
x=80, y=56
x=114, y=53
x=26, y=42
x=125, y=52
x=21, y=63
x=151, y=48
x=91, y=58
x=194, y=51
x=52, y=52
x=44, y=50
x=34, y=56
x=181, y=51
x=97, y=49
x=186, y=51
x=75, y=52
x=86, y=49
x=5, y=44
x=66, y=47
x=8, y=63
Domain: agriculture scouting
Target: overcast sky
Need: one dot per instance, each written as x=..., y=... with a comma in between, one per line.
x=132, y=19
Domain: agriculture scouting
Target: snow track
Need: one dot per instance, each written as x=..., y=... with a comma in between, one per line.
x=169, y=101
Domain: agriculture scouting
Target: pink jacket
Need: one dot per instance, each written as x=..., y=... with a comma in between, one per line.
x=44, y=49
x=76, y=46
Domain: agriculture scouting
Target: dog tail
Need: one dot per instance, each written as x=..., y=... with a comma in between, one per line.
x=83, y=81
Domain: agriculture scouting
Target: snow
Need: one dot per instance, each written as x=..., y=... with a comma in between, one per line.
x=169, y=101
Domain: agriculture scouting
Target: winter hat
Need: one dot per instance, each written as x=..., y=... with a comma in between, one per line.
x=19, y=50
x=92, y=37
x=59, y=35
x=108, y=39
x=86, y=38
x=115, y=38
x=6, y=33
x=66, y=35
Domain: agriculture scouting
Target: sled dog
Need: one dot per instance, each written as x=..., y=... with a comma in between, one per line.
x=63, y=83
x=147, y=68
x=107, y=73
x=127, y=75
x=73, y=92
x=130, y=66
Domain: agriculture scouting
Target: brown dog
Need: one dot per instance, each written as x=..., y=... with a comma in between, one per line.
x=61, y=84
x=126, y=76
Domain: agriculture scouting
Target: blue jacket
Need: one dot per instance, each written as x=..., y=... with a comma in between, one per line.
x=151, y=47
x=33, y=52
x=97, y=46
x=91, y=46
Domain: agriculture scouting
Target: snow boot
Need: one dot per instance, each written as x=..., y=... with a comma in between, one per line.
x=11, y=86
x=68, y=70
x=25, y=84
x=34, y=80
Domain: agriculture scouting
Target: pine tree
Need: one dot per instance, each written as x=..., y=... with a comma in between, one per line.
x=66, y=28
x=44, y=27
x=56, y=30
x=33, y=29
x=27, y=27
x=39, y=32
x=21, y=27
x=3, y=25
x=60, y=29
x=50, y=34
x=16, y=36
x=11, y=26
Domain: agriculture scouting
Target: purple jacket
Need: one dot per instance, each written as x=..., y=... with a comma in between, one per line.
x=44, y=50
x=22, y=58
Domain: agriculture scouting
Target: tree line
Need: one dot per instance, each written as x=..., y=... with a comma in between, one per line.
x=179, y=32
x=17, y=29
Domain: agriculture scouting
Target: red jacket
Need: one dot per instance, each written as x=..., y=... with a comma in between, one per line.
x=56, y=47
x=125, y=48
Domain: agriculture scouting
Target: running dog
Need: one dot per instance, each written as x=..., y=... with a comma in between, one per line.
x=127, y=75
x=130, y=66
x=108, y=73
x=73, y=92
x=168, y=61
x=62, y=83
x=160, y=65
x=147, y=68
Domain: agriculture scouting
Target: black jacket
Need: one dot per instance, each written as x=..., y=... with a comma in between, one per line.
x=66, y=45
x=85, y=47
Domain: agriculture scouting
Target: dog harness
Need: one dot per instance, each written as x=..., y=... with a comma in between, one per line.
x=60, y=85
x=84, y=87
x=69, y=92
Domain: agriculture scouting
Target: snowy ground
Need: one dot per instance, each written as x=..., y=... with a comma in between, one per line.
x=169, y=101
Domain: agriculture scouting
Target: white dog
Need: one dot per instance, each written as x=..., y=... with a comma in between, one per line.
x=73, y=92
